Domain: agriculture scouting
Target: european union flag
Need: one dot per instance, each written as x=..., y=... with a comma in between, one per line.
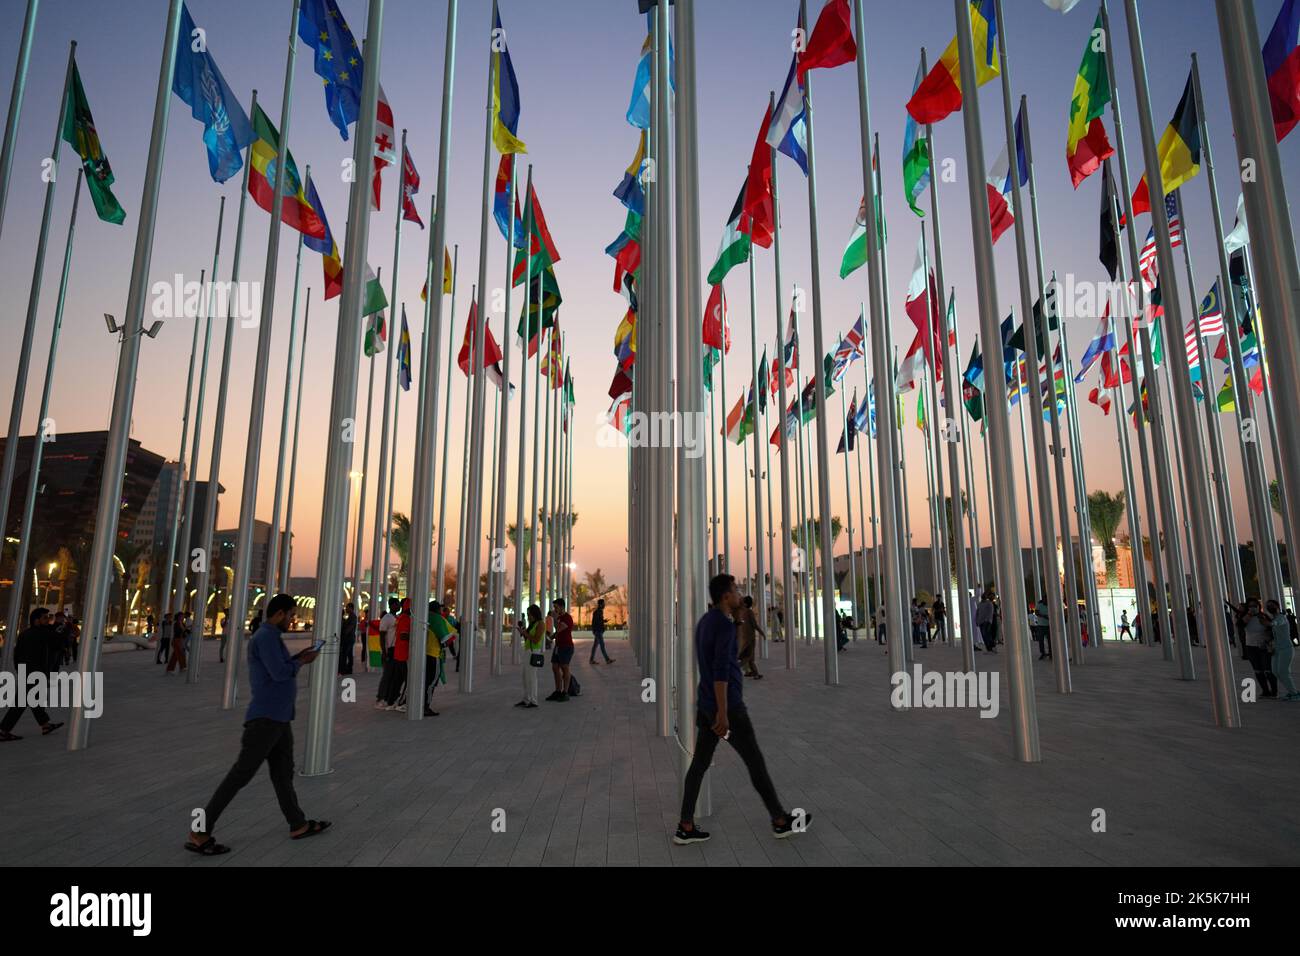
x=197, y=81
x=338, y=59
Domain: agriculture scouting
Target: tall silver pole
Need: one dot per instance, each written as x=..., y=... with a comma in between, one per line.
x=187, y=522
x=427, y=449
x=365, y=476
x=38, y=443
x=521, y=535
x=1208, y=584
x=1270, y=228
x=805, y=617
x=205, y=557
x=15, y=110
x=34, y=297
x=769, y=596
x=943, y=573
x=287, y=547
x=1082, y=515
x=257, y=410
x=339, y=437
x=848, y=504
x=1024, y=717
x=100, y=566
x=440, y=571
x=273, y=581
x=462, y=574
x=760, y=386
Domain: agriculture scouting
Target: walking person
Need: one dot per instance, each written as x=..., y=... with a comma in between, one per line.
x=1191, y=626
x=164, y=640
x=224, y=627
x=1258, y=627
x=984, y=621
x=1124, y=627
x=721, y=715
x=533, y=634
x=347, y=638
x=598, y=632
x=562, y=655
x=268, y=731
x=1283, y=650
x=746, y=630
x=180, y=635
x=432, y=657
x=37, y=650
x=920, y=623
x=1040, y=628
x=940, y=613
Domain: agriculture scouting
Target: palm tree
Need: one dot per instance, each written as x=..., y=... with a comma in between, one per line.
x=125, y=558
x=816, y=531
x=1106, y=511
x=512, y=534
x=596, y=582
x=400, y=537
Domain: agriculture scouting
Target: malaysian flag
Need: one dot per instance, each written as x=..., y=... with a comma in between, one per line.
x=1211, y=323
x=1148, y=265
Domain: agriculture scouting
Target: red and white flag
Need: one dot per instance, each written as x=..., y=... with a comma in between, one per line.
x=717, y=332
x=385, y=143
x=410, y=186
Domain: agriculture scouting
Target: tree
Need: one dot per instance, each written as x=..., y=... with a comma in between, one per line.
x=125, y=560
x=1106, y=511
x=816, y=531
x=400, y=537
x=512, y=535
x=596, y=582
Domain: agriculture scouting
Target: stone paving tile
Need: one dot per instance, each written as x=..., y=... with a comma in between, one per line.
x=591, y=783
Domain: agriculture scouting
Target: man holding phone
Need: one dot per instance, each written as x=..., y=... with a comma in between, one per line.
x=268, y=729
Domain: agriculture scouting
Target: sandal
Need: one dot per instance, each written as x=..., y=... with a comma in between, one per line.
x=313, y=827
x=209, y=847
x=51, y=728
x=5, y=737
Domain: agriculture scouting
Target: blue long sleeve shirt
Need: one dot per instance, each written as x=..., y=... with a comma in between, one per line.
x=715, y=653
x=272, y=676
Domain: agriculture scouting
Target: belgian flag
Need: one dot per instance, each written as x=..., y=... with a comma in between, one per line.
x=1179, y=150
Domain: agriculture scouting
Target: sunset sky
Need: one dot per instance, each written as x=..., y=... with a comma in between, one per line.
x=575, y=61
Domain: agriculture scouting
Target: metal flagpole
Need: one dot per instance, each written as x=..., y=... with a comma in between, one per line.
x=205, y=557
x=769, y=585
x=745, y=472
x=287, y=545
x=533, y=524
x=385, y=521
x=1035, y=555
x=1082, y=514
x=664, y=458
x=823, y=465
x=343, y=403
x=273, y=546
x=876, y=600
x=801, y=529
x=181, y=568
x=38, y=443
x=15, y=110
x=427, y=449
x=1143, y=602
x=726, y=484
x=521, y=535
x=489, y=597
x=100, y=565
x=543, y=515
x=760, y=399
x=782, y=445
x=848, y=502
x=713, y=475
x=943, y=575
x=34, y=297
x=1024, y=718
x=164, y=596
x=440, y=571
x=1072, y=621
x=462, y=569
x=1270, y=227
x=862, y=613
x=497, y=565
x=932, y=494
x=1209, y=589
x=257, y=410
x=365, y=473
x=970, y=523
x=909, y=553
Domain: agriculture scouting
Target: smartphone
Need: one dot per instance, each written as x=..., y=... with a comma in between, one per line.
x=315, y=646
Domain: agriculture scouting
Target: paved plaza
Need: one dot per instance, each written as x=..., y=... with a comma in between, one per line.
x=588, y=782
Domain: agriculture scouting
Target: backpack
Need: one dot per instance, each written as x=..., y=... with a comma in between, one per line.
x=575, y=689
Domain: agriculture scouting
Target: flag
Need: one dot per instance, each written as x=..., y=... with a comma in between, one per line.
x=1100, y=398
x=922, y=307
x=734, y=248
x=1209, y=318
x=717, y=332
x=295, y=210
x=855, y=253
x=851, y=428
x=625, y=341
x=541, y=247
x=776, y=376
x=831, y=43
x=1061, y=6
x=998, y=187
x=1282, y=68
x=759, y=386
x=921, y=421
x=916, y=156
x=849, y=349
x=544, y=301
x=788, y=131
x=630, y=191
x=325, y=245
x=338, y=59
x=971, y=383
x=446, y=277
x=491, y=351
x=758, y=213
x=1103, y=341
x=404, y=355
x=1148, y=258
x=940, y=92
x=711, y=358
x=910, y=371
x=410, y=186
x=1239, y=237
x=638, y=108
x=1179, y=150
x=621, y=385
x=1086, y=145
x=372, y=295
x=505, y=94
x=1108, y=247
x=79, y=132
x=860, y=419
x=740, y=421
x=553, y=360
x=503, y=198
x=1042, y=324
x=198, y=82
x=376, y=335
x=385, y=140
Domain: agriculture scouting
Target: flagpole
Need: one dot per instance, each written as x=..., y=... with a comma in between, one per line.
x=100, y=565
x=521, y=535
x=16, y=97
x=365, y=463
x=441, y=570
x=805, y=614
x=38, y=442
x=862, y=609
x=1224, y=694
x=713, y=476
x=556, y=488
x=1270, y=225
x=208, y=529
x=273, y=546
x=534, y=576
x=876, y=598
x=943, y=573
x=543, y=569
x=462, y=570
x=1024, y=717
x=287, y=543
x=386, y=519
x=769, y=585
x=1143, y=594
x=848, y=499
x=726, y=484
x=343, y=401
x=1035, y=556
x=164, y=596
x=908, y=550
x=261, y=368
x=34, y=297
x=964, y=513
x=932, y=498
x=1083, y=515
x=489, y=597
x=177, y=571
x=497, y=566
x=787, y=545
x=760, y=400
x=1255, y=474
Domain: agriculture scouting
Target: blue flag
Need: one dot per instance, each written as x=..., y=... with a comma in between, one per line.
x=197, y=81
x=338, y=59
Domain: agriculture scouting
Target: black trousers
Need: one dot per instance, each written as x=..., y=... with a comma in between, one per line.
x=430, y=679
x=396, y=681
x=598, y=641
x=263, y=740
x=745, y=743
x=1261, y=661
x=11, y=717
x=345, y=654
x=164, y=646
x=1043, y=636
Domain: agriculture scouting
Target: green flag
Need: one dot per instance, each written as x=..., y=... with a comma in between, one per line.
x=916, y=155
x=734, y=248
x=544, y=301
x=712, y=357
x=79, y=132
x=372, y=297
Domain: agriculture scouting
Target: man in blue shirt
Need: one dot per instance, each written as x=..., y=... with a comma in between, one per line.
x=268, y=730
x=720, y=714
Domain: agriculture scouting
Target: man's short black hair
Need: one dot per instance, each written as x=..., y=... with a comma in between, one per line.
x=749, y=601
x=37, y=614
x=281, y=602
x=719, y=585
x=394, y=604
x=559, y=602
x=600, y=603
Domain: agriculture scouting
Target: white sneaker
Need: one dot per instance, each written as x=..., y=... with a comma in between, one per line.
x=400, y=707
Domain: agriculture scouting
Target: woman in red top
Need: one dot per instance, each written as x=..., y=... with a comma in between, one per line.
x=396, y=699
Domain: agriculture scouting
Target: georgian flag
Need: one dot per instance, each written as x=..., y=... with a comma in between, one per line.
x=385, y=143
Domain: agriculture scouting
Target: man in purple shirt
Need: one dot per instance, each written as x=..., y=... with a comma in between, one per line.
x=720, y=714
x=268, y=730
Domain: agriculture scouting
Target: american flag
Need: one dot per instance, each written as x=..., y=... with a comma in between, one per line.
x=1148, y=265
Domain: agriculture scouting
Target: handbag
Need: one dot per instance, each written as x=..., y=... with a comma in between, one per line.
x=537, y=660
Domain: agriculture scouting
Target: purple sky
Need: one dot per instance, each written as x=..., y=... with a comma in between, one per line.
x=575, y=60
